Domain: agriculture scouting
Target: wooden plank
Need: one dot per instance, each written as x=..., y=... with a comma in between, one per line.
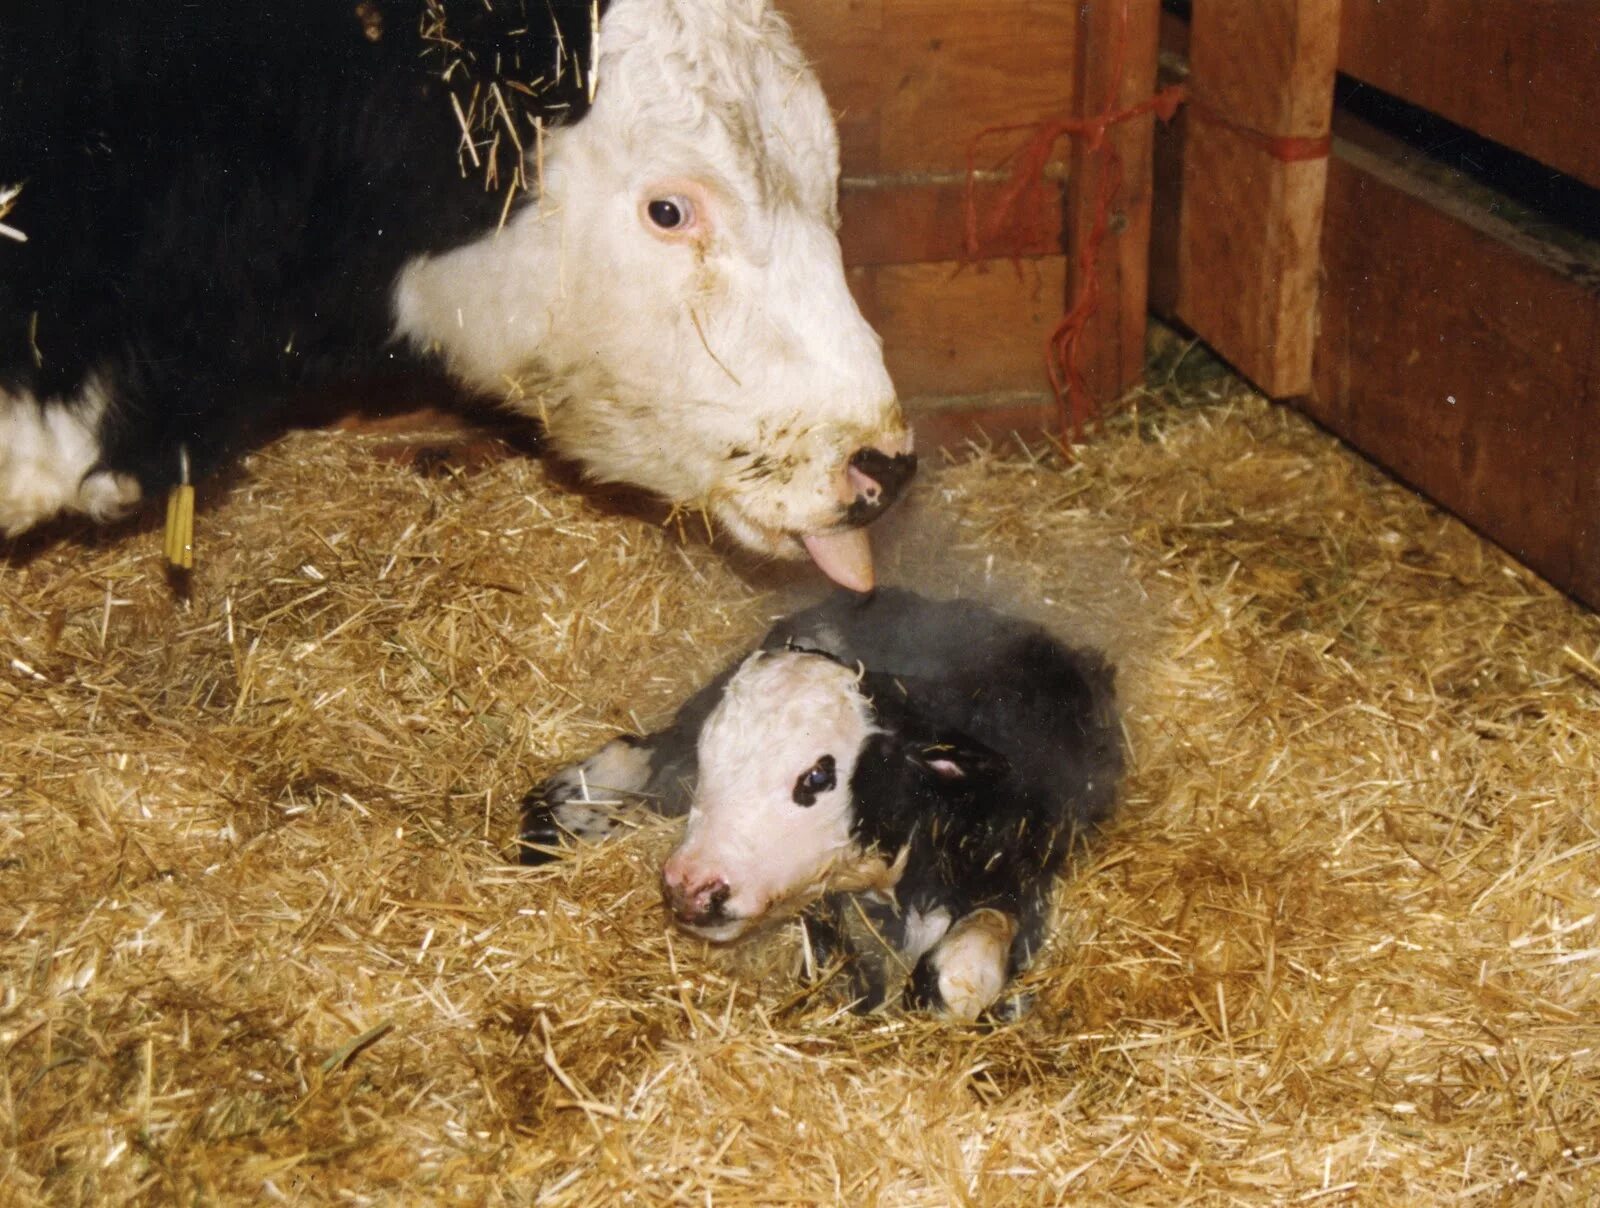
x=1166, y=172
x=898, y=221
x=1457, y=355
x=1112, y=345
x=1251, y=218
x=913, y=80
x=949, y=330
x=987, y=421
x=1525, y=73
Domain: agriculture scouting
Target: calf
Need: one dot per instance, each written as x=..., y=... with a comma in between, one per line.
x=618, y=217
x=934, y=757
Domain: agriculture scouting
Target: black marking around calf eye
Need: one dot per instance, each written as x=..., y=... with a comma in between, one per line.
x=820, y=778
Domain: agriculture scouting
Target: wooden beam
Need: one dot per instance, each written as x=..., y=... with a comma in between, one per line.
x=1525, y=73
x=1113, y=340
x=1465, y=356
x=1261, y=84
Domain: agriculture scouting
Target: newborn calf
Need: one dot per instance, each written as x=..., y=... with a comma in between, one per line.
x=934, y=757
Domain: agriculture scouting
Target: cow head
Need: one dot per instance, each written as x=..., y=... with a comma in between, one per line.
x=673, y=305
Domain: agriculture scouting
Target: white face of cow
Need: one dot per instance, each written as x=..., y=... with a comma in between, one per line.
x=674, y=305
x=770, y=828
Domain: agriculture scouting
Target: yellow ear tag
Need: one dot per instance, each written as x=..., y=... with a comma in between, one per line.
x=178, y=543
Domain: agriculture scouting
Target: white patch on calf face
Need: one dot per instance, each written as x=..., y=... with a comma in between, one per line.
x=718, y=360
x=781, y=716
x=47, y=458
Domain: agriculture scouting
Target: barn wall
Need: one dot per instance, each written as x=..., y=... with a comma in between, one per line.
x=912, y=82
x=1525, y=73
x=1455, y=344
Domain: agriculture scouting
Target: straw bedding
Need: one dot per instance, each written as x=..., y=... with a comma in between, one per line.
x=258, y=940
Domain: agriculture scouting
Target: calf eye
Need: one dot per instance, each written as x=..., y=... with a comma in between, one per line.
x=670, y=213
x=819, y=779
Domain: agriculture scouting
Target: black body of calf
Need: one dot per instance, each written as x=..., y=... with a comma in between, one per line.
x=936, y=759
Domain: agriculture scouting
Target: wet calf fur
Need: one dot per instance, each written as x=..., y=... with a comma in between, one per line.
x=933, y=760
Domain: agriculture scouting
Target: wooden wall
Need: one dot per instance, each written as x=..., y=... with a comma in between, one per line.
x=912, y=82
x=1525, y=73
x=1454, y=345
x=1464, y=356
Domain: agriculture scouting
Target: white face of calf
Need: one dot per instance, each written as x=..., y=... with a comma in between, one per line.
x=674, y=305
x=770, y=827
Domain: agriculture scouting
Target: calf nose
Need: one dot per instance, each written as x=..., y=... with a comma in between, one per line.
x=702, y=903
x=876, y=478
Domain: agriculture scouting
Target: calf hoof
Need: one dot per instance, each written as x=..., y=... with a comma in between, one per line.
x=966, y=971
x=539, y=840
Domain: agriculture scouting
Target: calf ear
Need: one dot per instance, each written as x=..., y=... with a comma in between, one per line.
x=954, y=757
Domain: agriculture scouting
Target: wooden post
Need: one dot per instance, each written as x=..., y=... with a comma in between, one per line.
x=1254, y=180
x=1113, y=340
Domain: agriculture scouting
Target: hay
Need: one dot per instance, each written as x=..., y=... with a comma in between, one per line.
x=259, y=944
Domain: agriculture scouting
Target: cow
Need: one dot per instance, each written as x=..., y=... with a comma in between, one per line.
x=934, y=760
x=619, y=219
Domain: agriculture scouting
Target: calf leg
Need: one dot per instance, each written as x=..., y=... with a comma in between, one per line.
x=827, y=942
x=586, y=801
x=966, y=971
x=1033, y=925
x=582, y=800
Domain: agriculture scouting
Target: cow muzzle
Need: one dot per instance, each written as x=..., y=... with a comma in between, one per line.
x=870, y=481
x=874, y=480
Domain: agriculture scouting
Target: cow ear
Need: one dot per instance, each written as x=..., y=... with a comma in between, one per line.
x=955, y=757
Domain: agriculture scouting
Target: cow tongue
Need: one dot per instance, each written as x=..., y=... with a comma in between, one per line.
x=845, y=557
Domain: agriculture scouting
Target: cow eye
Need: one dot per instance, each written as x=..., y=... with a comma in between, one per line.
x=819, y=779
x=670, y=213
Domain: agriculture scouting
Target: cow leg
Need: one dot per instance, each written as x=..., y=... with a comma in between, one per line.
x=965, y=972
x=50, y=462
x=657, y=772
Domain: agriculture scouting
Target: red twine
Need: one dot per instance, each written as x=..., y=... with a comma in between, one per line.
x=1020, y=216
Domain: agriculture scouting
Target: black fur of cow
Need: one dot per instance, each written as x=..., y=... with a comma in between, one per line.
x=218, y=198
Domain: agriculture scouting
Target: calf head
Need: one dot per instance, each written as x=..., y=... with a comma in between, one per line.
x=813, y=777
x=673, y=306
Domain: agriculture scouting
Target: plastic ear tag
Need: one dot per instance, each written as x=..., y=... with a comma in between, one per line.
x=179, y=538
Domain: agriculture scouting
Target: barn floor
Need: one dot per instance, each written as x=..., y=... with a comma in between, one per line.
x=258, y=942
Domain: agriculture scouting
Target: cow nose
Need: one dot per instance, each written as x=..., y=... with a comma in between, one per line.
x=876, y=479
x=702, y=903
